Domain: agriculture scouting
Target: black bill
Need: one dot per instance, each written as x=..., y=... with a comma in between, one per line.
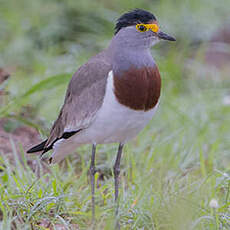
x=165, y=36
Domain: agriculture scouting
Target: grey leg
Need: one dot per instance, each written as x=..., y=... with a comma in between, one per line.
x=92, y=171
x=116, y=171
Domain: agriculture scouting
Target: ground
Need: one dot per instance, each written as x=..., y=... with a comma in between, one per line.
x=174, y=175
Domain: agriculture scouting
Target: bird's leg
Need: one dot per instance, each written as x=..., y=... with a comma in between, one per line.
x=116, y=171
x=92, y=171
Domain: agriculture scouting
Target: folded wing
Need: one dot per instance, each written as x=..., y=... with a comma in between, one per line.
x=83, y=99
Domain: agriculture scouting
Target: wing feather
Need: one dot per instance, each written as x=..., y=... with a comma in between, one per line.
x=84, y=97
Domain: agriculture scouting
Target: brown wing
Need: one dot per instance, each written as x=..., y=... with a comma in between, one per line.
x=83, y=98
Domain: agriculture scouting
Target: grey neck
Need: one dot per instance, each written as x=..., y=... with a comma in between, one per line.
x=124, y=56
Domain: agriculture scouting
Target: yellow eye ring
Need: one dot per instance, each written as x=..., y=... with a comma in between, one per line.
x=142, y=27
x=146, y=27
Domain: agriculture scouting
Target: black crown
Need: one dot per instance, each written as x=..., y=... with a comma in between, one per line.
x=133, y=17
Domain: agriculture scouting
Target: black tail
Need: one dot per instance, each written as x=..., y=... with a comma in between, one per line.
x=37, y=148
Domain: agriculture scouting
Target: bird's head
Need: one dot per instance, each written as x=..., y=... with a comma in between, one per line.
x=139, y=28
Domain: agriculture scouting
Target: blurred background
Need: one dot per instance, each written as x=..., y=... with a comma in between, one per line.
x=184, y=154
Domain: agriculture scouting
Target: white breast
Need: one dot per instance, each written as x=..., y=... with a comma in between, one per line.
x=115, y=122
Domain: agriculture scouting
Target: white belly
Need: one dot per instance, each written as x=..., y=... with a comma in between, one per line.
x=115, y=122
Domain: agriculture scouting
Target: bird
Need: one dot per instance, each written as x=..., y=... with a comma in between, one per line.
x=112, y=97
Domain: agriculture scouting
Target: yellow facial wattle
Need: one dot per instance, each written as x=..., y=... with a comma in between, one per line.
x=154, y=27
x=146, y=27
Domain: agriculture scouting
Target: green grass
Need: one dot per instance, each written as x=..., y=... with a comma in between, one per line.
x=170, y=172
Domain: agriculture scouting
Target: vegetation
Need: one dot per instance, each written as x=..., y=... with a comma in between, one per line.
x=175, y=174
